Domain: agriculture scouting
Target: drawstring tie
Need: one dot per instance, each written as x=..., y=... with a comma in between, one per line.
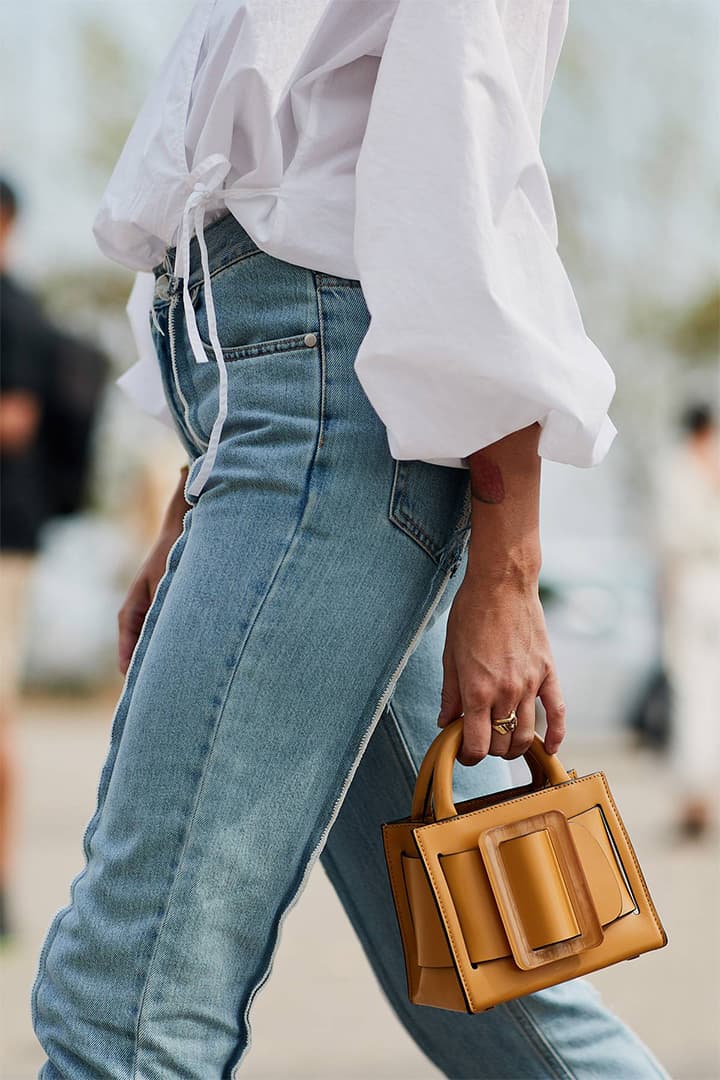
x=206, y=179
x=206, y=187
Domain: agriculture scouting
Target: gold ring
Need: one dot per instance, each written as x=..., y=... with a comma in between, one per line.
x=507, y=725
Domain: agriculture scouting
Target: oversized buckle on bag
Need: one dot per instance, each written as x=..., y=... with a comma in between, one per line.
x=540, y=889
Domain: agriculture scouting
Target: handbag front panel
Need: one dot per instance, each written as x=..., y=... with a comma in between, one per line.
x=476, y=926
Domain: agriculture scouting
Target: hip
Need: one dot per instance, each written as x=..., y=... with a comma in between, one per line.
x=297, y=416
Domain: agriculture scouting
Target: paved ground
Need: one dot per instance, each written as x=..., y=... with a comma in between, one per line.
x=317, y=1026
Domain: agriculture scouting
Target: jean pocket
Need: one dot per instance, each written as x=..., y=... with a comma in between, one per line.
x=262, y=305
x=257, y=349
x=431, y=504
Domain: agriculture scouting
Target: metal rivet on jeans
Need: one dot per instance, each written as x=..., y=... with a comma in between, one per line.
x=310, y=340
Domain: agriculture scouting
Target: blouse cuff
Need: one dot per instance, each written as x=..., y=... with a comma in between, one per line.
x=553, y=448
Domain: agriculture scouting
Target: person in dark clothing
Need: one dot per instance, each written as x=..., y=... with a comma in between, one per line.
x=49, y=386
x=25, y=344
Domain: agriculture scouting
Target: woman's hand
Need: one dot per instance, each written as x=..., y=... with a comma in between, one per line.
x=138, y=599
x=497, y=657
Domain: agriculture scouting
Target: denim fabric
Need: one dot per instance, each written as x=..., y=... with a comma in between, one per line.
x=282, y=693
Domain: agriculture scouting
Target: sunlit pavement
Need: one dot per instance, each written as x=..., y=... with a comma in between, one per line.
x=322, y=1014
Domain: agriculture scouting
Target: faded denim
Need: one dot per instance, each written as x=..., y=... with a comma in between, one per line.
x=282, y=693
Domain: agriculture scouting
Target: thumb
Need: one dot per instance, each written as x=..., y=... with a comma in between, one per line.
x=550, y=695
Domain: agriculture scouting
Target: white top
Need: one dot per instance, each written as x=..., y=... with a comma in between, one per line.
x=393, y=141
x=688, y=500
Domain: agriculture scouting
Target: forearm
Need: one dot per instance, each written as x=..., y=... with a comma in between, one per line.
x=505, y=527
x=133, y=612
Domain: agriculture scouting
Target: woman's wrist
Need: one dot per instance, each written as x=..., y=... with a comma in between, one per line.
x=505, y=541
x=517, y=565
x=504, y=546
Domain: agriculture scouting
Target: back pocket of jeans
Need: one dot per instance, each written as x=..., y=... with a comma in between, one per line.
x=431, y=504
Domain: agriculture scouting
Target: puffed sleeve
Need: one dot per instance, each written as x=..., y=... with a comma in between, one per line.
x=475, y=331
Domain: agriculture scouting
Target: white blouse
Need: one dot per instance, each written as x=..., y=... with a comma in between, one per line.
x=392, y=141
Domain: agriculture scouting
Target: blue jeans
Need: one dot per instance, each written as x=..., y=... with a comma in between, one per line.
x=280, y=698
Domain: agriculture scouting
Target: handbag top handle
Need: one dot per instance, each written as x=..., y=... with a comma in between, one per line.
x=436, y=772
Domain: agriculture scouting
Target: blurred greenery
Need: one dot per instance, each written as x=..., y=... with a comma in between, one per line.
x=109, y=71
x=111, y=79
x=697, y=331
x=689, y=332
x=103, y=290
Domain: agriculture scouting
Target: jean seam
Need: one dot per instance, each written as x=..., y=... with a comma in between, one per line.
x=323, y=358
x=535, y=1036
x=123, y=705
x=198, y=796
x=211, y=748
x=432, y=599
x=402, y=750
x=256, y=350
x=327, y=281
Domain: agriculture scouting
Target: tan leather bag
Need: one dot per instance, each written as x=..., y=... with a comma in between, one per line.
x=515, y=891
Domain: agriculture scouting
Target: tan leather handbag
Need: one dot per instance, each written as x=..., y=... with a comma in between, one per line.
x=514, y=891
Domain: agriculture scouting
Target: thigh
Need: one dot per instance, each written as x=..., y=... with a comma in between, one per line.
x=291, y=612
x=562, y=1032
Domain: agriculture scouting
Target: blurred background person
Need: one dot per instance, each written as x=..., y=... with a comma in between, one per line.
x=24, y=503
x=49, y=390
x=689, y=518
